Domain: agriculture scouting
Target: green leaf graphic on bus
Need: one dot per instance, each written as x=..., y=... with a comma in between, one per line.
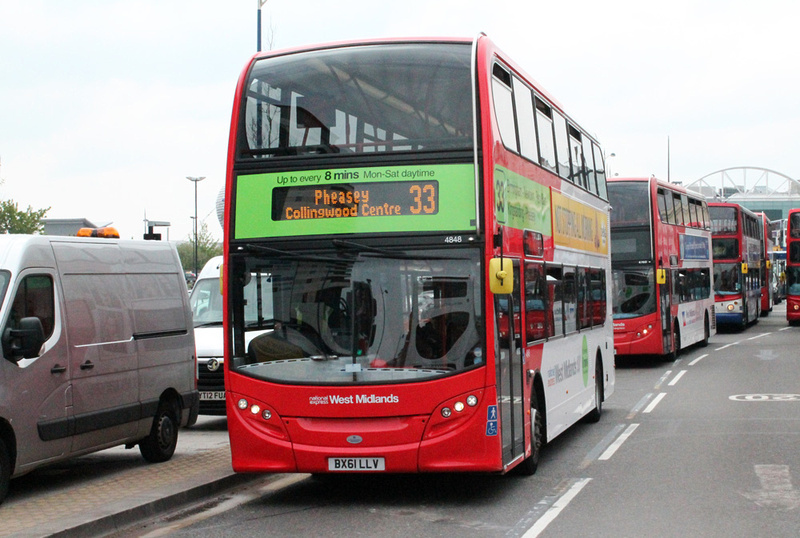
x=520, y=202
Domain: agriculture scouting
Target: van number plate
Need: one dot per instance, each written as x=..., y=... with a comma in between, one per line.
x=356, y=464
x=214, y=395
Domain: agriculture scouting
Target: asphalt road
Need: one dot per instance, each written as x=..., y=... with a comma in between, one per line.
x=703, y=446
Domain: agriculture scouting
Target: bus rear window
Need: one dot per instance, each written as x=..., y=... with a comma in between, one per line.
x=366, y=99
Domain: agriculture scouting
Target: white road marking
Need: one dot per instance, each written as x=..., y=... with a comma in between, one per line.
x=727, y=346
x=677, y=377
x=698, y=359
x=776, y=490
x=618, y=443
x=663, y=378
x=562, y=502
x=759, y=336
x=654, y=403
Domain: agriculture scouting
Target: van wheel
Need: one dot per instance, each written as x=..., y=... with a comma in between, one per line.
x=160, y=444
x=5, y=470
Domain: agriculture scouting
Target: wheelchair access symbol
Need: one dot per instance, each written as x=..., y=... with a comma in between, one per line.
x=491, y=421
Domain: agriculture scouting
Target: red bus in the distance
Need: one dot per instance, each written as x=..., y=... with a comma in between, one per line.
x=793, y=267
x=661, y=265
x=738, y=253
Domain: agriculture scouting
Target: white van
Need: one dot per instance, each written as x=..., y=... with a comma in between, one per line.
x=97, y=349
x=207, y=306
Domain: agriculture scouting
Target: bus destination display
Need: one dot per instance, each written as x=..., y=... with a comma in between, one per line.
x=429, y=198
x=354, y=200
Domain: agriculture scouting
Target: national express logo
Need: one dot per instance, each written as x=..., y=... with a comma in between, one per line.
x=335, y=399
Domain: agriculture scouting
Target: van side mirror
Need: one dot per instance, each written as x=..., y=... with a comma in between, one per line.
x=25, y=341
x=501, y=276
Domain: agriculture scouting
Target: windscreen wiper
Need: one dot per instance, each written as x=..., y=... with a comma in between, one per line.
x=341, y=243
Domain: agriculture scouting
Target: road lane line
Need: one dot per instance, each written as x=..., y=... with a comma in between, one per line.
x=663, y=378
x=785, y=329
x=677, y=377
x=759, y=336
x=618, y=443
x=601, y=446
x=698, y=359
x=562, y=502
x=654, y=403
x=638, y=406
x=727, y=346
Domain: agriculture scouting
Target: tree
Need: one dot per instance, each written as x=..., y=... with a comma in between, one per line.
x=14, y=221
x=207, y=248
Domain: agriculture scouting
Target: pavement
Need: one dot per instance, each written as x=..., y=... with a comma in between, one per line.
x=105, y=492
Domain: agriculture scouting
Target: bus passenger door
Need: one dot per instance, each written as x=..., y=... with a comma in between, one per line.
x=665, y=311
x=510, y=370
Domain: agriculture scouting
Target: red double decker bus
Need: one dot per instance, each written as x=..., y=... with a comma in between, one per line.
x=431, y=232
x=661, y=265
x=765, y=265
x=793, y=267
x=738, y=238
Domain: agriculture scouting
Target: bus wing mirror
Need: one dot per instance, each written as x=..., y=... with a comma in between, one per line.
x=501, y=276
x=744, y=268
x=661, y=276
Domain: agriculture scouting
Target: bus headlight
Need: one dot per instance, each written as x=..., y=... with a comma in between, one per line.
x=730, y=308
x=242, y=404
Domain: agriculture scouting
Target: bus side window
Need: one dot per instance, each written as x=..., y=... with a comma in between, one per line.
x=662, y=205
x=562, y=145
x=584, y=306
x=535, y=319
x=570, y=296
x=555, y=305
x=523, y=101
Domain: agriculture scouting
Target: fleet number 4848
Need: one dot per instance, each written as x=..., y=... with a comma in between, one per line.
x=452, y=239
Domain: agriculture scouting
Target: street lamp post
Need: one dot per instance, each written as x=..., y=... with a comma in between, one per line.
x=260, y=4
x=195, y=180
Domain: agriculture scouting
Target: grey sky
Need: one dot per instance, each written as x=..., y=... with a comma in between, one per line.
x=106, y=106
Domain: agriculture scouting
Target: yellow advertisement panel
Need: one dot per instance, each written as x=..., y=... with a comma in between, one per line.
x=579, y=226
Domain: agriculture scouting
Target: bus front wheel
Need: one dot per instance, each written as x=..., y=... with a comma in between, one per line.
x=531, y=463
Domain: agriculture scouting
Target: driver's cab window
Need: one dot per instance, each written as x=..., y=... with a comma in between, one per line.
x=34, y=298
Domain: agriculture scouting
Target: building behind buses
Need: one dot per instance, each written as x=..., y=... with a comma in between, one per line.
x=97, y=350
